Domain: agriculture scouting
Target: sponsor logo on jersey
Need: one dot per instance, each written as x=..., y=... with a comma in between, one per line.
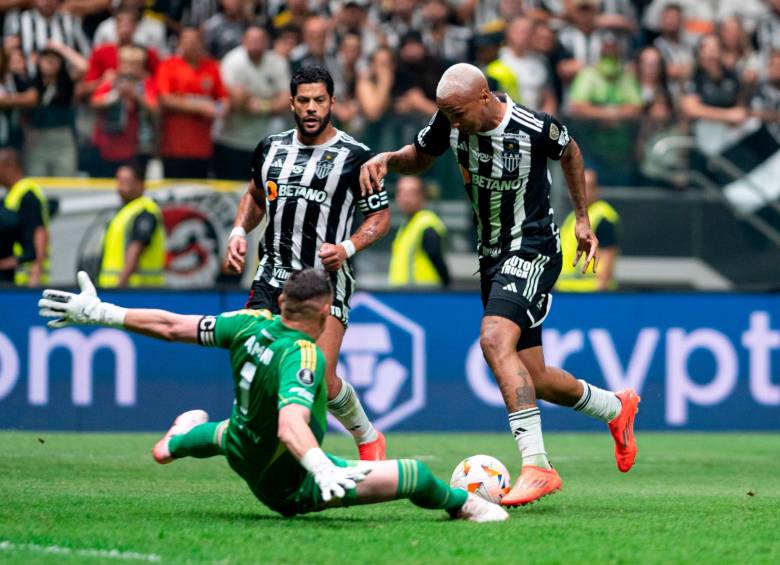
x=305, y=377
x=298, y=191
x=495, y=184
x=516, y=267
x=483, y=157
x=278, y=164
x=281, y=274
x=491, y=251
x=271, y=190
x=518, y=136
x=511, y=287
x=463, y=146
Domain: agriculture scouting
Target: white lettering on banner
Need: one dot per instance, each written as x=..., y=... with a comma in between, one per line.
x=760, y=340
x=82, y=350
x=636, y=373
x=9, y=366
x=557, y=348
x=680, y=388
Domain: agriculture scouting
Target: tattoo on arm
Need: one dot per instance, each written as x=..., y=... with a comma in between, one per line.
x=373, y=228
x=409, y=161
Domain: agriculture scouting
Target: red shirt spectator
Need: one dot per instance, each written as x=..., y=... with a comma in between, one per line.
x=106, y=58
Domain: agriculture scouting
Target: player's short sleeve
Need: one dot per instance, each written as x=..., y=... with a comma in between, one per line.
x=434, y=139
x=302, y=371
x=554, y=138
x=256, y=166
x=221, y=331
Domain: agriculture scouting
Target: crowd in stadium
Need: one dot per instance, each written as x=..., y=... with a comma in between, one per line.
x=90, y=84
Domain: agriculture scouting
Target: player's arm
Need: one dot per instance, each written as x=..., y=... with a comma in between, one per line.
x=251, y=211
x=573, y=166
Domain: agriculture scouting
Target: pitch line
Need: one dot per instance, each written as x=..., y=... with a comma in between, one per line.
x=7, y=545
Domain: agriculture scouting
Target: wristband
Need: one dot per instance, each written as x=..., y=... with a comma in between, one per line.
x=349, y=247
x=315, y=459
x=237, y=231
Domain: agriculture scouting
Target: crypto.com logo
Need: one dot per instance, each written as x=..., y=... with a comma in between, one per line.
x=383, y=356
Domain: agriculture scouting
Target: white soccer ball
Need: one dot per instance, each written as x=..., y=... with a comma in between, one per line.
x=484, y=476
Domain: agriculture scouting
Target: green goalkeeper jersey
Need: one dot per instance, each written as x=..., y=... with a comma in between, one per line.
x=273, y=366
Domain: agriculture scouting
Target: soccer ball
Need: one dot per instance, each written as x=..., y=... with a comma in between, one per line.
x=482, y=475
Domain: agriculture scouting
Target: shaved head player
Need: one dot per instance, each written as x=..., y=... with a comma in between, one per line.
x=502, y=149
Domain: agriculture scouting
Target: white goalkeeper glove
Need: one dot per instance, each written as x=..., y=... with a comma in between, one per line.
x=333, y=481
x=84, y=308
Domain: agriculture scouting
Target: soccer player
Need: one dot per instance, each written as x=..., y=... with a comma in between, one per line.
x=502, y=149
x=272, y=439
x=305, y=182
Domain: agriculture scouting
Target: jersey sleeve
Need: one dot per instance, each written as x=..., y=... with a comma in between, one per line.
x=221, y=331
x=301, y=373
x=143, y=227
x=554, y=138
x=434, y=139
x=256, y=166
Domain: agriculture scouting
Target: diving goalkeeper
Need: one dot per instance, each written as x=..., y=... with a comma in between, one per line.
x=272, y=439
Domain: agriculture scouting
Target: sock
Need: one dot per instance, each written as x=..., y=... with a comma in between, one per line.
x=526, y=426
x=347, y=409
x=417, y=483
x=598, y=403
x=199, y=442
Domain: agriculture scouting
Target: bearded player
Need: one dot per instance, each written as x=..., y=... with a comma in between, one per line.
x=272, y=439
x=305, y=183
x=502, y=149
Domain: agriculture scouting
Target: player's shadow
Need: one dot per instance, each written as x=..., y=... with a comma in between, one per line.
x=329, y=518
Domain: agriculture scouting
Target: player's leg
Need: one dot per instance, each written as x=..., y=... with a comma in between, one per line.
x=413, y=480
x=343, y=401
x=617, y=410
x=191, y=435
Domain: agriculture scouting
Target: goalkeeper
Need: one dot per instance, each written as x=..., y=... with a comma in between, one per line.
x=272, y=439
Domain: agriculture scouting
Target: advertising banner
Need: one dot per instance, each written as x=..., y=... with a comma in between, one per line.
x=699, y=361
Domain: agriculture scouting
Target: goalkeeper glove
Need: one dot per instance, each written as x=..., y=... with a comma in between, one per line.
x=84, y=308
x=333, y=481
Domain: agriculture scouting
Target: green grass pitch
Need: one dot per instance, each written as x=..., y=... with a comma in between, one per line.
x=691, y=498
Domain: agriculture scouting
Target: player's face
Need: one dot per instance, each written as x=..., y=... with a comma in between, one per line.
x=311, y=106
x=463, y=116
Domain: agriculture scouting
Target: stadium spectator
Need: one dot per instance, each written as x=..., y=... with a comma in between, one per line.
x=285, y=40
x=191, y=97
x=16, y=94
x=605, y=222
x=737, y=52
x=375, y=85
x=418, y=248
x=404, y=17
x=291, y=13
x=134, y=242
x=224, y=30
x=713, y=97
x=49, y=139
x=181, y=14
x=10, y=235
x=416, y=76
x=352, y=17
x=149, y=31
x=582, y=36
x=442, y=38
x=46, y=21
x=766, y=101
x=126, y=105
x=657, y=104
x=768, y=29
x=25, y=198
x=345, y=71
x=607, y=91
x=105, y=56
x=258, y=82
x=562, y=67
x=522, y=73
x=314, y=49
x=673, y=45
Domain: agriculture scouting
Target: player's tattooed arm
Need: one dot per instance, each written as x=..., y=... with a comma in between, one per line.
x=374, y=227
x=407, y=161
x=573, y=166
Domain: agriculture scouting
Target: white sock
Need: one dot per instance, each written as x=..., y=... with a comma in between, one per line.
x=526, y=426
x=598, y=403
x=347, y=409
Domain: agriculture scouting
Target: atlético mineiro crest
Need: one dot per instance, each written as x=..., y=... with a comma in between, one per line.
x=324, y=167
x=512, y=158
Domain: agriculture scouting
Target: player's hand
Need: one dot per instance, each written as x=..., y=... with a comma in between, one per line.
x=332, y=256
x=336, y=481
x=236, y=254
x=587, y=245
x=85, y=308
x=372, y=174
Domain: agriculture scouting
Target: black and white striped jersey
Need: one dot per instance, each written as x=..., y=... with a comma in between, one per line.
x=506, y=177
x=311, y=195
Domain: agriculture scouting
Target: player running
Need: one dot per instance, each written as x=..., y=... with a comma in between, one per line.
x=272, y=439
x=305, y=182
x=502, y=149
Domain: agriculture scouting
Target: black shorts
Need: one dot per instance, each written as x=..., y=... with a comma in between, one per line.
x=517, y=286
x=264, y=294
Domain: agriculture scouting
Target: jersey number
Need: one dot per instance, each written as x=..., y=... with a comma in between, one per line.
x=247, y=376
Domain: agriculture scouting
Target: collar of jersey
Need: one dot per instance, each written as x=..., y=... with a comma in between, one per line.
x=507, y=116
x=331, y=141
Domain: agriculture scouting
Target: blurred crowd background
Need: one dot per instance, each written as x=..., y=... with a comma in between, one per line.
x=90, y=84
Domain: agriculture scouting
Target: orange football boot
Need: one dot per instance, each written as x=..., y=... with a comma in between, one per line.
x=532, y=484
x=373, y=450
x=622, y=430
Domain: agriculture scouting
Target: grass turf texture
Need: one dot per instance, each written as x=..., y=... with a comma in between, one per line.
x=691, y=498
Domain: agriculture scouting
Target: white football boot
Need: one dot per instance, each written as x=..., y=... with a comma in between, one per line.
x=478, y=509
x=183, y=423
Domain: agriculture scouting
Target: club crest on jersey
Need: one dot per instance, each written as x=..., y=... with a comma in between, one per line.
x=324, y=167
x=511, y=158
